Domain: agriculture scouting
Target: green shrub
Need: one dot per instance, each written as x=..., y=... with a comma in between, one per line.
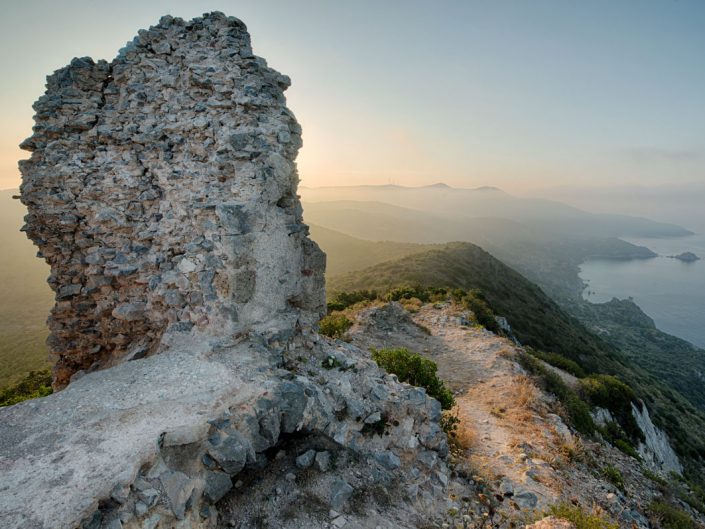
x=616, y=436
x=449, y=424
x=33, y=385
x=331, y=362
x=614, y=476
x=579, y=414
x=578, y=411
x=457, y=294
x=627, y=448
x=606, y=391
x=559, y=361
x=343, y=300
x=484, y=314
x=531, y=364
x=670, y=517
x=416, y=370
x=580, y=518
x=654, y=477
x=408, y=292
x=611, y=393
x=553, y=383
x=334, y=325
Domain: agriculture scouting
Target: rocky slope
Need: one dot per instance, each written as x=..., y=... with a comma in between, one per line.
x=523, y=457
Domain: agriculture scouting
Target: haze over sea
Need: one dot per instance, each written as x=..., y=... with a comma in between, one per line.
x=668, y=290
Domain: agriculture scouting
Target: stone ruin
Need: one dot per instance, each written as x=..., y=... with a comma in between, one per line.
x=161, y=189
x=162, y=192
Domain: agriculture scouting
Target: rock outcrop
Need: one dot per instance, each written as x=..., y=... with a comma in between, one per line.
x=656, y=450
x=162, y=191
x=166, y=441
x=686, y=257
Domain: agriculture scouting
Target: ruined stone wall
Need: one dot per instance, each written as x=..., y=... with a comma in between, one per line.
x=161, y=190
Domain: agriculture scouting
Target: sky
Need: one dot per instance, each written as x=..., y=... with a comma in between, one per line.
x=517, y=94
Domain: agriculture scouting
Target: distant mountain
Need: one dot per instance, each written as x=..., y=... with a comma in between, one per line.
x=548, y=258
x=678, y=202
x=464, y=204
x=25, y=297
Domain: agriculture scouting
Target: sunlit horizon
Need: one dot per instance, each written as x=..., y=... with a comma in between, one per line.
x=509, y=94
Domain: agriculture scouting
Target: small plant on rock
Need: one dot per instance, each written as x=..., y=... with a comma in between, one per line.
x=614, y=476
x=331, y=362
x=670, y=517
x=334, y=325
x=582, y=519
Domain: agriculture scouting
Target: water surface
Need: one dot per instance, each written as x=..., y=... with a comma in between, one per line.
x=670, y=291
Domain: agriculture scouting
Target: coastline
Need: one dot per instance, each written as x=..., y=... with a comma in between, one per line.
x=662, y=287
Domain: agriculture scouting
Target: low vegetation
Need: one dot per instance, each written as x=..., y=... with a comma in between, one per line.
x=577, y=410
x=485, y=316
x=581, y=518
x=614, y=476
x=334, y=325
x=343, y=300
x=416, y=370
x=559, y=361
x=35, y=384
x=411, y=297
x=609, y=392
x=669, y=517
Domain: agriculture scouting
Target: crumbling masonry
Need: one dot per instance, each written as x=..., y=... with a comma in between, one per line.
x=148, y=180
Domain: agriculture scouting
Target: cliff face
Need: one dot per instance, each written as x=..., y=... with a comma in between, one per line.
x=162, y=191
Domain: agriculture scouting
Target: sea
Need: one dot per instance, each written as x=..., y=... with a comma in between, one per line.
x=670, y=291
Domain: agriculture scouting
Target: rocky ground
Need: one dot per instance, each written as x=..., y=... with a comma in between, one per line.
x=516, y=449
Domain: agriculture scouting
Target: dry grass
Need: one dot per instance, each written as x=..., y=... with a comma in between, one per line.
x=521, y=401
x=466, y=436
x=573, y=450
x=412, y=305
x=509, y=354
x=525, y=393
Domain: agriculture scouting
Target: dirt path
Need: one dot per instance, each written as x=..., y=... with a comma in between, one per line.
x=503, y=417
x=521, y=456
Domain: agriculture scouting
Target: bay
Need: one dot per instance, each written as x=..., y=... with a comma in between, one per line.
x=670, y=291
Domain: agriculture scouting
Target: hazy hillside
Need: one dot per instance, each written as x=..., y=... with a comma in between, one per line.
x=26, y=297
x=623, y=324
x=549, y=259
x=346, y=253
x=546, y=215
x=536, y=319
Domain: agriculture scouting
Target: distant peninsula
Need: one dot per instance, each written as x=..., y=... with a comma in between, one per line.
x=686, y=257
